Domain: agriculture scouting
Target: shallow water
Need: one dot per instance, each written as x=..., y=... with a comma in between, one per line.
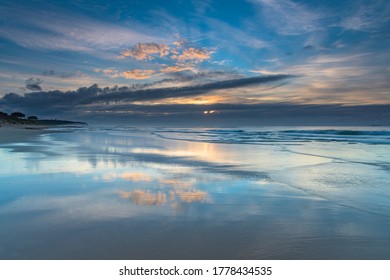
x=161, y=193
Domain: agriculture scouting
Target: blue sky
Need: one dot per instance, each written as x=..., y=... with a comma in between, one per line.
x=319, y=52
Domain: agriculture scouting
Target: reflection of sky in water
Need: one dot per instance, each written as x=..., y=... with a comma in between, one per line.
x=131, y=194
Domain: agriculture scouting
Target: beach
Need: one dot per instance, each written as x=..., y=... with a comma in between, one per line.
x=195, y=193
x=19, y=133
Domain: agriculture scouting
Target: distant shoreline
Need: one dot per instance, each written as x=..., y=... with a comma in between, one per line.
x=26, y=130
x=13, y=122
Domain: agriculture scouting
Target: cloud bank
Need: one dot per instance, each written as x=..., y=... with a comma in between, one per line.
x=94, y=94
x=122, y=105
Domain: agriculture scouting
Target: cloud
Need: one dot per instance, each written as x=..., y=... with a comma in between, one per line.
x=308, y=47
x=191, y=76
x=229, y=37
x=178, y=52
x=193, y=54
x=366, y=17
x=232, y=114
x=325, y=59
x=58, y=101
x=61, y=75
x=177, y=92
x=134, y=74
x=201, y=77
x=266, y=72
x=137, y=74
x=146, y=51
x=34, y=84
x=288, y=17
x=176, y=68
x=28, y=27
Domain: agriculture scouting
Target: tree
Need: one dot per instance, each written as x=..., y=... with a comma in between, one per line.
x=18, y=115
x=3, y=115
x=32, y=118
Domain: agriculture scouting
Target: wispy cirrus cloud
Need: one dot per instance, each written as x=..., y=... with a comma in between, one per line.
x=62, y=75
x=68, y=31
x=367, y=17
x=228, y=36
x=288, y=17
x=133, y=74
x=341, y=79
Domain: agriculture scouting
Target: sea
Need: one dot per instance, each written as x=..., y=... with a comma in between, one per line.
x=121, y=192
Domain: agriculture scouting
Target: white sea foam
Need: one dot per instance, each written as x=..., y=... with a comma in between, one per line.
x=263, y=136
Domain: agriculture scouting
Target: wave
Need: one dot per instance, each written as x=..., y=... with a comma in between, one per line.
x=263, y=136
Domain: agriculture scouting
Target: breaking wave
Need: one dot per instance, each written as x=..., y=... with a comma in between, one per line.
x=271, y=136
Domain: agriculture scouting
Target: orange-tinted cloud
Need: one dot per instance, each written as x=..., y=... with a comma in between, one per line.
x=193, y=54
x=175, y=68
x=137, y=74
x=109, y=71
x=145, y=51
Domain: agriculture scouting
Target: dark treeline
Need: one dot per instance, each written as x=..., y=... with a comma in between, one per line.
x=20, y=118
x=16, y=115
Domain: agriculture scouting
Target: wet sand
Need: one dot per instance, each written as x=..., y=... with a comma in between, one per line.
x=125, y=193
x=19, y=133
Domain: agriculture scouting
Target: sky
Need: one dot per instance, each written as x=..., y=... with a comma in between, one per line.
x=202, y=60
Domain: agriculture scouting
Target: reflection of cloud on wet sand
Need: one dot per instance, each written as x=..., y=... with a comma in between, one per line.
x=184, y=191
x=176, y=183
x=173, y=191
x=192, y=196
x=140, y=197
x=128, y=176
x=136, y=176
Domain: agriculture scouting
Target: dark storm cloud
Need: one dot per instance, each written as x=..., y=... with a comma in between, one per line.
x=34, y=84
x=58, y=100
x=115, y=105
x=188, y=91
x=224, y=114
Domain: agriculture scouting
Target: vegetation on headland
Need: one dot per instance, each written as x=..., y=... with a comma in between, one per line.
x=18, y=118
